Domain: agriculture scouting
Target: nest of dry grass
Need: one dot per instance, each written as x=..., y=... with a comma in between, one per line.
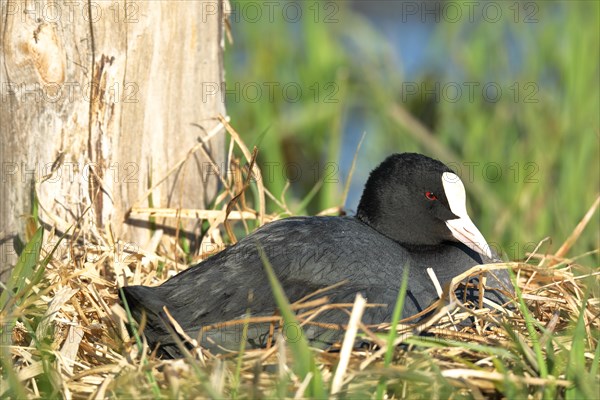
x=81, y=348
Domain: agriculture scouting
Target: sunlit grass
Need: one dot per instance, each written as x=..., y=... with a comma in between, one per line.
x=530, y=155
x=547, y=348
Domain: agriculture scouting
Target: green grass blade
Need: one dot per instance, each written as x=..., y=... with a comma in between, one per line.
x=304, y=361
x=301, y=208
x=582, y=386
x=594, y=369
x=531, y=325
x=138, y=340
x=238, y=367
x=16, y=389
x=25, y=266
x=392, y=335
x=436, y=342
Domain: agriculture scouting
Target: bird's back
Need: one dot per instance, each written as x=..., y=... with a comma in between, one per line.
x=307, y=254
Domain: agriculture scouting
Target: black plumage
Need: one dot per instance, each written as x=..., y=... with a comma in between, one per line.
x=401, y=219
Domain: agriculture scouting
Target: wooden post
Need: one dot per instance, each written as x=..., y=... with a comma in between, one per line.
x=97, y=100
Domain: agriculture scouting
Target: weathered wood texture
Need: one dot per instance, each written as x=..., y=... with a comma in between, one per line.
x=97, y=100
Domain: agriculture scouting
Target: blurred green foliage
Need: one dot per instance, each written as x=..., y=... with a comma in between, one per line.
x=511, y=104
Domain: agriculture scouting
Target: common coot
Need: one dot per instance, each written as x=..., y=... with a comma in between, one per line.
x=412, y=212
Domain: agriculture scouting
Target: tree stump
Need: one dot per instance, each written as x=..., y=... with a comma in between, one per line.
x=98, y=101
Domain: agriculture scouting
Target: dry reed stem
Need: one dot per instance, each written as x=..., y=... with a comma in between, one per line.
x=562, y=251
x=348, y=343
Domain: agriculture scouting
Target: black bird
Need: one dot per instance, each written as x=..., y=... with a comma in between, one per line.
x=412, y=212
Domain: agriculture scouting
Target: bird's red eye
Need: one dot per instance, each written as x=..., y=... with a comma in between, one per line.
x=430, y=196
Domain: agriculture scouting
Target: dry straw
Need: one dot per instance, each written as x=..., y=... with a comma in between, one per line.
x=93, y=356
